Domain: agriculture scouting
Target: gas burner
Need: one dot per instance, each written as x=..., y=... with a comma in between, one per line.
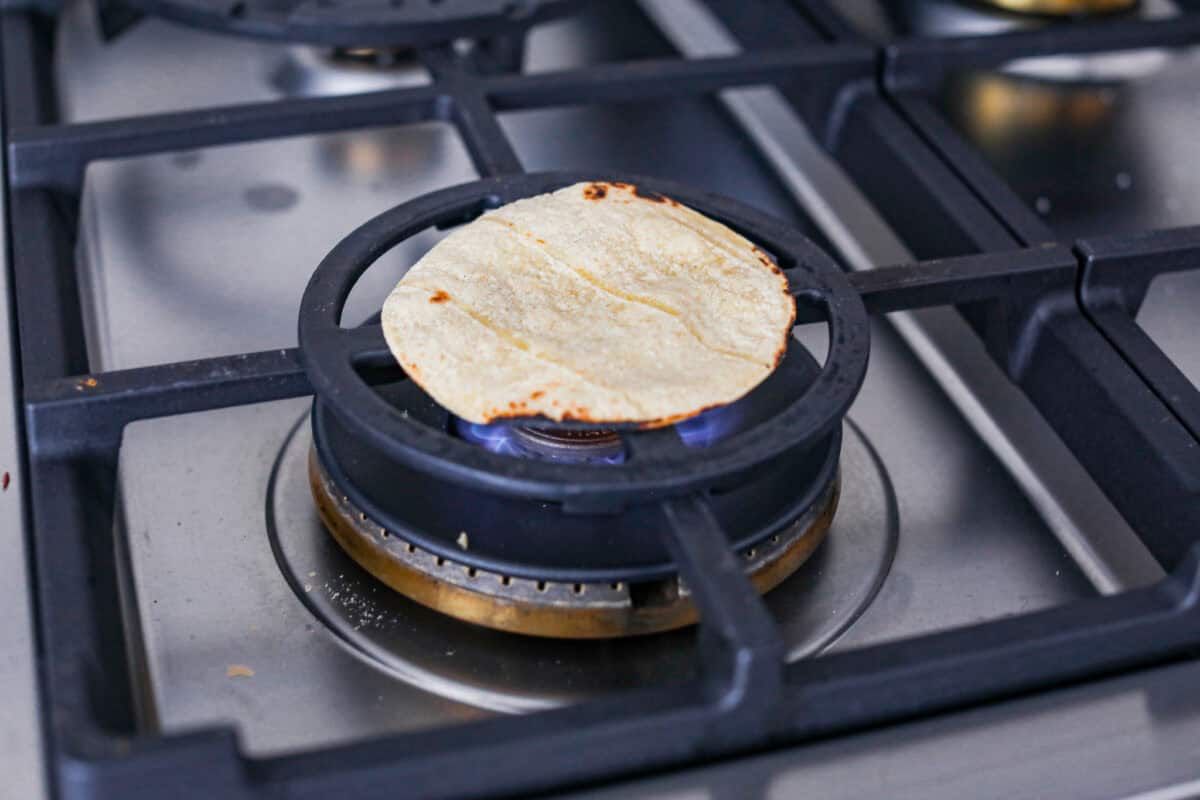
x=496, y=670
x=1062, y=8
x=360, y=25
x=556, y=528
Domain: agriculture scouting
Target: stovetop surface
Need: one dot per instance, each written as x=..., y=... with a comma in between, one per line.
x=1125, y=737
x=168, y=240
x=965, y=505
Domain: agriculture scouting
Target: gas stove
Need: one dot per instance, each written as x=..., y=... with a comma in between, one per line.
x=948, y=548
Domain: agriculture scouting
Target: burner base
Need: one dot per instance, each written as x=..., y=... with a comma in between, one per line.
x=500, y=671
x=547, y=608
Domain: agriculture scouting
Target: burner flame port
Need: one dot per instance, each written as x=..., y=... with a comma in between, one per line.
x=598, y=446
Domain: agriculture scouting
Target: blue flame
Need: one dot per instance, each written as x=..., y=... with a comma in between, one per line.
x=701, y=430
x=499, y=438
x=709, y=427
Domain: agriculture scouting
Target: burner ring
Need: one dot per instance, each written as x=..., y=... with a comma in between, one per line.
x=543, y=607
x=333, y=355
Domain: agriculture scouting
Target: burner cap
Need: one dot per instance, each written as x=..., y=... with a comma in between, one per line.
x=359, y=24
x=569, y=445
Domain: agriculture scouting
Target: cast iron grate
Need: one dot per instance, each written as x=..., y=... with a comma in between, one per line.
x=1018, y=288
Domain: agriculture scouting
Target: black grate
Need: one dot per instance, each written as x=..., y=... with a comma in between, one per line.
x=1079, y=358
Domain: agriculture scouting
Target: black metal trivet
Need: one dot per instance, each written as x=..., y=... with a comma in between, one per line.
x=656, y=470
x=392, y=451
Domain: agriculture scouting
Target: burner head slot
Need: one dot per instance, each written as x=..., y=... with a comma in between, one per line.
x=594, y=445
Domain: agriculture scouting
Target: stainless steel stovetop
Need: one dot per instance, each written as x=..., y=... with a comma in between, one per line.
x=960, y=502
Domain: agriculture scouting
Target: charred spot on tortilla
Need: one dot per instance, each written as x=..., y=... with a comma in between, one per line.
x=637, y=309
x=767, y=261
x=646, y=194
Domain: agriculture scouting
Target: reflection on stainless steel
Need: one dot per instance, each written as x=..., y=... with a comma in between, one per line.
x=1101, y=153
x=1084, y=521
x=210, y=595
x=1000, y=109
x=1032, y=114
x=387, y=156
x=229, y=233
x=1092, y=68
x=1170, y=314
x=306, y=71
x=506, y=672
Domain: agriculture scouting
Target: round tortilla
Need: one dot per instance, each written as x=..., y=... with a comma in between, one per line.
x=596, y=303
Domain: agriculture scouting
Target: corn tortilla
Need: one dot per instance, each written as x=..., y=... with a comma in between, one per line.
x=598, y=303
